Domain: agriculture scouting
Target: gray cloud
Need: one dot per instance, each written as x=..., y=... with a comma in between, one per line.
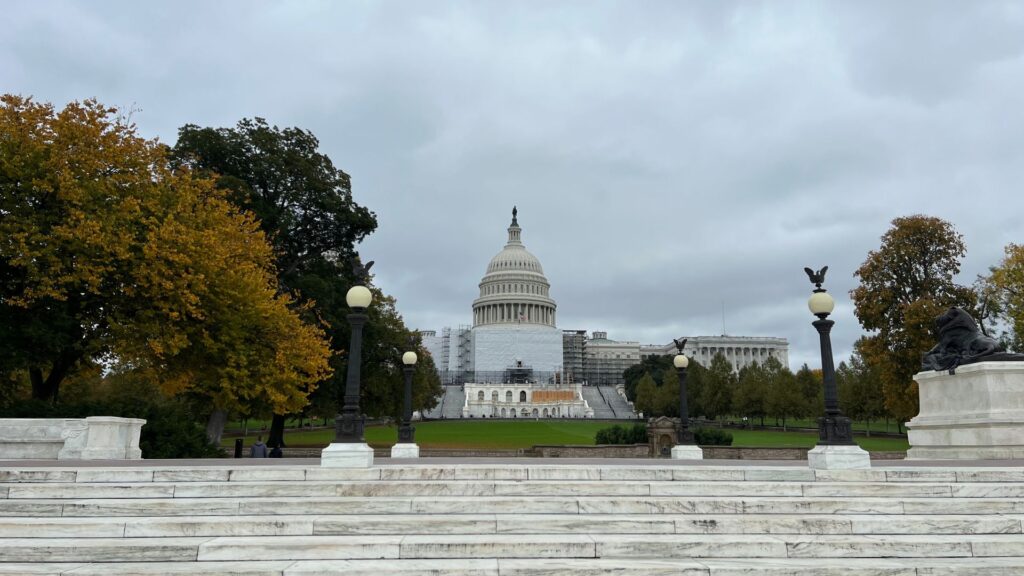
x=668, y=160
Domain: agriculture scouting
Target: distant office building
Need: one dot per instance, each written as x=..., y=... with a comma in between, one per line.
x=740, y=351
x=606, y=359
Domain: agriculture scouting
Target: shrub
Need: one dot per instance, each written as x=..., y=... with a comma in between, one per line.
x=635, y=434
x=712, y=437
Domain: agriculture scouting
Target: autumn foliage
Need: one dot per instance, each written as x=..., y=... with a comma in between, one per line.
x=108, y=253
x=904, y=285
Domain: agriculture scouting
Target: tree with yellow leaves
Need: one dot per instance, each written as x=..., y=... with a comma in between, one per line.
x=107, y=252
x=1006, y=282
x=904, y=285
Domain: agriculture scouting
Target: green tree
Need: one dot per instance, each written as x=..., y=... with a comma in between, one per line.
x=751, y=394
x=304, y=204
x=719, y=381
x=808, y=383
x=646, y=396
x=784, y=399
x=668, y=394
x=654, y=365
x=904, y=285
x=695, y=375
x=860, y=389
x=107, y=252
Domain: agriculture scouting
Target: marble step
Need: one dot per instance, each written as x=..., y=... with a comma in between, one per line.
x=540, y=567
x=267, y=489
x=402, y=524
x=448, y=472
x=501, y=546
x=504, y=505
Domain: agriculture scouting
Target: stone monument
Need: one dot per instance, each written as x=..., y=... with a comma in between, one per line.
x=971, y=394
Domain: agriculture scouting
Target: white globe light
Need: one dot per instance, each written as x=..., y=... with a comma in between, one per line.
x=821, y=303
x=409, y=358
x=359, y=297
x=680, y=361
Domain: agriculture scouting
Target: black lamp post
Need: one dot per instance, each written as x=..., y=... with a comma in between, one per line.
x=348, y=426
x=833, y=429
x=406, y=431
x=680, y=361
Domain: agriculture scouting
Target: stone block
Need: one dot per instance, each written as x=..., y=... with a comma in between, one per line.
x=687, y=452
x=405, y=451
x=975, y=413
x=824, y=457
x=341, y=455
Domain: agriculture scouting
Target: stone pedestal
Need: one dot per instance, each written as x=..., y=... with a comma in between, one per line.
x=408, y=450
x=975, y=414
x=687, y=452
x=340, y=455
x=92, y=438
x=838, y=458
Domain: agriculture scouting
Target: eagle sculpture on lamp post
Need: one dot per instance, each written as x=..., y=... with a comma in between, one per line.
x=817, y=278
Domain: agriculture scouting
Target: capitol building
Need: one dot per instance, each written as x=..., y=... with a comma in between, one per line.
x=513, y=361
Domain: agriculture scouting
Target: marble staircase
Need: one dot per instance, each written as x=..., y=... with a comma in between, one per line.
x=511, y=519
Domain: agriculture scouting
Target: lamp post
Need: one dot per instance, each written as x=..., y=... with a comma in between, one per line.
x=685, y=448
x=406, y=446
x=349, y=449
x=348, y=427
x=835, y=448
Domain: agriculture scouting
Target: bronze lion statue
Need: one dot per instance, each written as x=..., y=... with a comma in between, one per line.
x=960, y=342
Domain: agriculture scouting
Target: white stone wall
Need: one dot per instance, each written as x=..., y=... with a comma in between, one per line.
x=516, y=401
x=433, y=345
x=496, y=348
x=92, y=438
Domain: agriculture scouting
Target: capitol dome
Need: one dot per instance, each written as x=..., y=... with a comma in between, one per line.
x=514, y=289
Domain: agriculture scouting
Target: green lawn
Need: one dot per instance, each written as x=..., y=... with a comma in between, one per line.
x=511, y=435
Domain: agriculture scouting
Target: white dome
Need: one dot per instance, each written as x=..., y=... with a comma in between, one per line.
x=515, y=258
x=514, y=289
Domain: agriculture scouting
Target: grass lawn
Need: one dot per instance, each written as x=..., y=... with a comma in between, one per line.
x=511, y=435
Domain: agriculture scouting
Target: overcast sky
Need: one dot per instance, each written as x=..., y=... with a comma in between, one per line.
x=669, y=160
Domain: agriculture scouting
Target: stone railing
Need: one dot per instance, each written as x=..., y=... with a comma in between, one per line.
x=92, y=438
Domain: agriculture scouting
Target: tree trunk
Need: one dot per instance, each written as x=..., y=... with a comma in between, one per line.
x=867, y=427
x=899, y=427
x=783, y=424
x=38, y=387
x=215, y=426
x=245, y=426
x=276, y=438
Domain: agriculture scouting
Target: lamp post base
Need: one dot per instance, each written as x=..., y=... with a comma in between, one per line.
x=345, y=455
x=832, y=457
x=687, y=452
x=403, y=450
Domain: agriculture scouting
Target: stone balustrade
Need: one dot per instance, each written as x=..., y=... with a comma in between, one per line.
x=92, y=438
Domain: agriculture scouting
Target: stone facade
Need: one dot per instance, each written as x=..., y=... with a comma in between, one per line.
x=525, y=400
x=607, y=359
x=740, y=351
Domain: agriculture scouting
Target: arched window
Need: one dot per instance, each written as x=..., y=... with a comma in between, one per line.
x=480, y=396
x=535, y=413
x=545, y=412
x=503, y=413
x=508, y=396
x=494, y=396
x=522, y=395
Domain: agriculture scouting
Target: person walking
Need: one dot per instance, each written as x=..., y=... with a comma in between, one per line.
x=259, y=449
